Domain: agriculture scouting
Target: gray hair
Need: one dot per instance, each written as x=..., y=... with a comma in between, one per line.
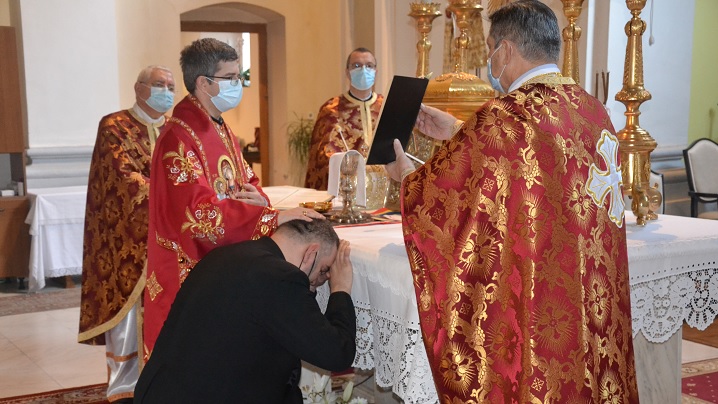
x=202, y=58
x=318, y=231
x=532, y=26
x=146, y=73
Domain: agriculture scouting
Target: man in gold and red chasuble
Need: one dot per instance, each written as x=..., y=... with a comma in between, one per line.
x=347, y=121
x=204, y=194
x=516, y=236
x=115, y=235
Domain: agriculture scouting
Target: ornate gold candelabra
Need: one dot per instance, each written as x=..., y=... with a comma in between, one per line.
x=458, y=92
x=424, y=14
x=463, y=10
x=636, y=144
x=571, y=34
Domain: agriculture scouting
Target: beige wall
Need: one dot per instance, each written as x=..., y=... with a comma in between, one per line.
x=299, y=80
x=5, y=13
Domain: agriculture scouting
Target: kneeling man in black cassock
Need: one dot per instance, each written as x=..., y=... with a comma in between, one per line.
x=247, y=314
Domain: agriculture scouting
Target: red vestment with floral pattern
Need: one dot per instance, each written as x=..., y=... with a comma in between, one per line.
x=517, y=243
x=115, y=239
x=340, y=116
x=197, y=170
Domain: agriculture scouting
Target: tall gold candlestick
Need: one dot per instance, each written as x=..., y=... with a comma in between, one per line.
x=463, y=10
x=571, y=34
x=636, y=144
x=424, y=13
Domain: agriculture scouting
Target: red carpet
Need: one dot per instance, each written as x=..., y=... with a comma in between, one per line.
x=700, y=382
x=95, y=394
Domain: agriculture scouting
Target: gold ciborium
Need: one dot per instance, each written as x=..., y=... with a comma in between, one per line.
x=636, y=144
x=348, y=190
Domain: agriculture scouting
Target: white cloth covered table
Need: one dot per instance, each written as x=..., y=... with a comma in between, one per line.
x=671, y=263
x=56, y=219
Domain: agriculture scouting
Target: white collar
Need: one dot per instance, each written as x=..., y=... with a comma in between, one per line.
x=536, y=71
x=146, y=118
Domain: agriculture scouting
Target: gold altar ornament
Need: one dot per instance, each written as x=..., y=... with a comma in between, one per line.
x=458, y=93
x=636, y=144
x=348, y=190
x=571, y=34
x=424, y=14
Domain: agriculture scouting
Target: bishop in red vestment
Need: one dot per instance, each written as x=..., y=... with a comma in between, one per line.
x=204, y=194
x=516, y=236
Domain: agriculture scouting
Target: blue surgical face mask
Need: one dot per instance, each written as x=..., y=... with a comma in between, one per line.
x=228, y=97
x=494, y=81
x=362, y=77
x=161, y=99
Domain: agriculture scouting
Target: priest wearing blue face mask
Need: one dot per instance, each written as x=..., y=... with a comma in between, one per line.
x=346, y=122
x=115, y=237
x=204, y=194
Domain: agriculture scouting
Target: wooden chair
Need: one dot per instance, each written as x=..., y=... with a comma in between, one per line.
x=701, y=160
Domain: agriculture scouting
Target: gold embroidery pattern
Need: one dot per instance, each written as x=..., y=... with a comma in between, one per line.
x=458, y=369
x=267, y=224
x=520, y=272
x=479, y=250
x=153, y=287
x=183, y=167
x=554, y=324
x=205, y=223
x=184, y=262
x=580, y=205
x=500, y=128
x=597, y=300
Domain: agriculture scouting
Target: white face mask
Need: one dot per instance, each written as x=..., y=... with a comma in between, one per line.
x=228, y=97
x=362, y=78
x=161, y=99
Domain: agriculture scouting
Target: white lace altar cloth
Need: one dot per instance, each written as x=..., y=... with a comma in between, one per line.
x=672, y=263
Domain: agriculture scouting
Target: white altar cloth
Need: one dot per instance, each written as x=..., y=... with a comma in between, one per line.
x=56, y=220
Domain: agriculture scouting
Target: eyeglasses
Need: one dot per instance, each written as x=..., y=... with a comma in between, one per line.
x=233, y=80
x=370, y=66
x=159, y=84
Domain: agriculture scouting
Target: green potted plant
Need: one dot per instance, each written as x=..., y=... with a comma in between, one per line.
x=299, y=135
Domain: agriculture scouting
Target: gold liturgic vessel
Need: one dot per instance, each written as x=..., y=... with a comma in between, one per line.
x=636, y=144
x=458, y=93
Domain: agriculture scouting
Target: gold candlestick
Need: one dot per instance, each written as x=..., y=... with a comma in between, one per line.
x=424, y=14
x=463, y=10
x=636, y=144
x=571, y=34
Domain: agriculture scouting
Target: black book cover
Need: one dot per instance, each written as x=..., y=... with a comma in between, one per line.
x=397, y=117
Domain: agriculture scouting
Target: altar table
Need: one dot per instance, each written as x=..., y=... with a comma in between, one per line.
x=672, y=263
x=56, y=219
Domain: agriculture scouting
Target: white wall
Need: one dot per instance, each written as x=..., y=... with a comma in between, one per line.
x=666, y=68
x=72, y=78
